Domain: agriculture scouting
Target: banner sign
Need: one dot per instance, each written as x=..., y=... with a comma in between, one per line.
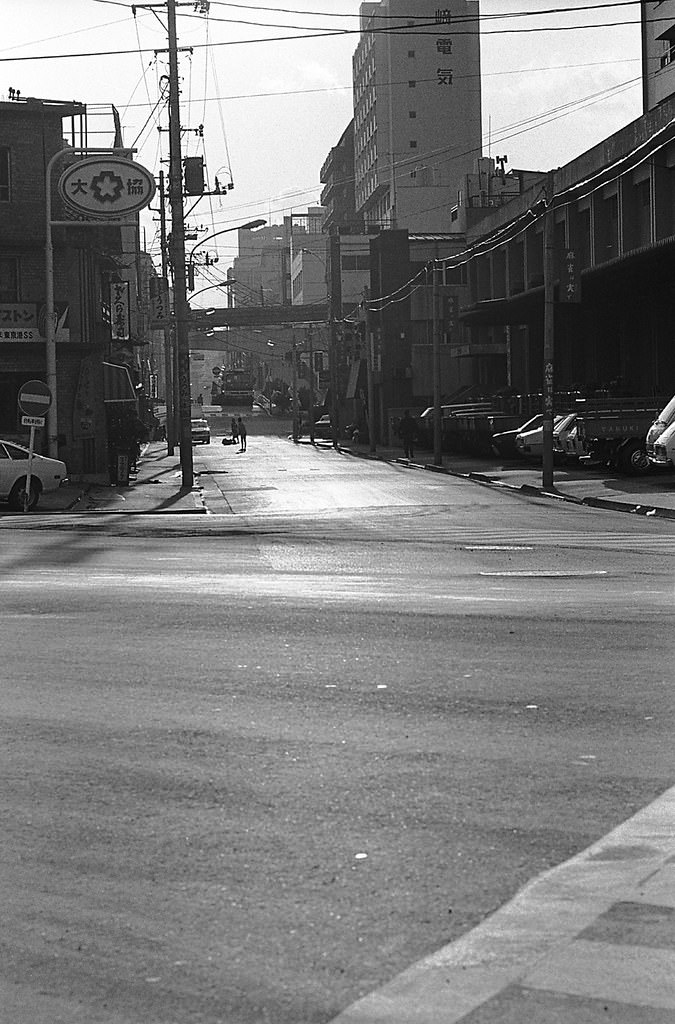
x=18, y=321
x=120, y=316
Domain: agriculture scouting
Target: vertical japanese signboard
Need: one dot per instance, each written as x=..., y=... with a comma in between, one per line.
x=120, y=319
x=570, y=277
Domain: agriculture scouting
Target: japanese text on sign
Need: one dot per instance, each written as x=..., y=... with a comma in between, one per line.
x=120, y=327
x=570, y=280
x=443, y=16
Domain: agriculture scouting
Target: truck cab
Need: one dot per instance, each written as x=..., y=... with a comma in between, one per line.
x=661, y=437
x=662, y=451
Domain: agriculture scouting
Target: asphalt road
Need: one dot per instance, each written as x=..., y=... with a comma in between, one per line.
x=256, y=763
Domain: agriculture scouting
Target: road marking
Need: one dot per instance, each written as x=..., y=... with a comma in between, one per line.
x=498, y=547
x=546, y=573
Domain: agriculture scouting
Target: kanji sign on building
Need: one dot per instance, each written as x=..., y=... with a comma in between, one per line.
x=18, y=321
x=120, y=321
x=106, y=187
x=570, y=277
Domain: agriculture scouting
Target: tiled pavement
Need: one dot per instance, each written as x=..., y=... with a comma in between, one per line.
x=589, y=941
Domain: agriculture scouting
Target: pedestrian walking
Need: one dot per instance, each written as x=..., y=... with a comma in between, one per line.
x=241, y=426
x=235, y=430
x=407, y=431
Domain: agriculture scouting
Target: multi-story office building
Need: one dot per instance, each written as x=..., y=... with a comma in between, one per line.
x=417, y=110
x=658, y=52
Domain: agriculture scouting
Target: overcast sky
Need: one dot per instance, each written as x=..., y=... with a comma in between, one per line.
x=273, y=97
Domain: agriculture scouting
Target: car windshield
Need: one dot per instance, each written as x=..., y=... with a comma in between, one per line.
x=15, y=452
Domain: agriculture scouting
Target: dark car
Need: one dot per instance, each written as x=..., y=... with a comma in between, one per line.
x=323, y=428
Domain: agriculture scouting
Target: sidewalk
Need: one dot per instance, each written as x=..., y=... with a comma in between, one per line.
x=589, y=941
x=650, y=495
x=156, y=487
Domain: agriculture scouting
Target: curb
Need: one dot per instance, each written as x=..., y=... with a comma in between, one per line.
x=652, y=511
x=534, y=943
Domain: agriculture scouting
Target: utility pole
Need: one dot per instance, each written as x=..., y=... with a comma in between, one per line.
x=549, y=336
x=436, y=359
x=311, y=384
x=296, y=423
x=181, y=308
x=369, y=368
x=168, y=342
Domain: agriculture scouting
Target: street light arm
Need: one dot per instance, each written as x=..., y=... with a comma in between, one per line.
x=222, y=284
x=238, y=227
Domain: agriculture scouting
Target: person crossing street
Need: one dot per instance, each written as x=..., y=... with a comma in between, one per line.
x=242, y=434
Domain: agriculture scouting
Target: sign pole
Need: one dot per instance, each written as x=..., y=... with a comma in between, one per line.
x=29, y=471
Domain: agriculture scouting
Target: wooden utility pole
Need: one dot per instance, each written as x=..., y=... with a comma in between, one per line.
x=310, y=348
x=549, y=336
x=435, y=298
x=181, y=308
x=369, y=368
x=296, y=418
x=167, y=329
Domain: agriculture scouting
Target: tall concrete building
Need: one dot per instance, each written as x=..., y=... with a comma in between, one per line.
x=417, y=110
x=658, y=52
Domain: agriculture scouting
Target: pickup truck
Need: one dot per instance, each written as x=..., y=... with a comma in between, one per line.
x=616, y=437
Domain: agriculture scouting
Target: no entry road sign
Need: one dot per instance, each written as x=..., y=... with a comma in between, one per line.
x=34, y=398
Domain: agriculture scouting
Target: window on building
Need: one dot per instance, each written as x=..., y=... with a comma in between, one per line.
x=412, y=114
x=411, y=53
x=9, y=279
x=413, y=144
x=4, y=174
x=412, y=83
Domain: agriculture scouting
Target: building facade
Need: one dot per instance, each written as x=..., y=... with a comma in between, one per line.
x=92, y=265
x=658, y=52
x=417, y=110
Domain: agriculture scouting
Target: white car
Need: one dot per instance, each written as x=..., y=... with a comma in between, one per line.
x=46, y=475
x=530, y=443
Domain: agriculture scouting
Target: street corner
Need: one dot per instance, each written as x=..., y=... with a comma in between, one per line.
x=594, y=931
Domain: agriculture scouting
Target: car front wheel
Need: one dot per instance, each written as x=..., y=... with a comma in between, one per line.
x=17, y=496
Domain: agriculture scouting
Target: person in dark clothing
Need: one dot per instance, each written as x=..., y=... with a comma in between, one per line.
x=242, y=434
x=235, y=430
x=407, y=431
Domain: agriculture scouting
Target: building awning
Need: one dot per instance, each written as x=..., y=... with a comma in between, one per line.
x=117, y=384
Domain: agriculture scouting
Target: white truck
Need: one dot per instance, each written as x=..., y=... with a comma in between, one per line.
x=660, y=440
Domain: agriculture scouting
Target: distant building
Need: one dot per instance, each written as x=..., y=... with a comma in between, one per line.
x=417, y=110
x=338, y=196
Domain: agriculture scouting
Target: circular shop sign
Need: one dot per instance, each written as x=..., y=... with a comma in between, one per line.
x=106, y=187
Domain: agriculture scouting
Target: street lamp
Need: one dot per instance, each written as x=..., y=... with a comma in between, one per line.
x=221, y=284
x=249, y=226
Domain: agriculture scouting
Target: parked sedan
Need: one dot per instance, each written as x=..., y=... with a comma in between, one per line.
x=504, y=442
x=201, y=432
x=530, y=443
x=46, y=475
